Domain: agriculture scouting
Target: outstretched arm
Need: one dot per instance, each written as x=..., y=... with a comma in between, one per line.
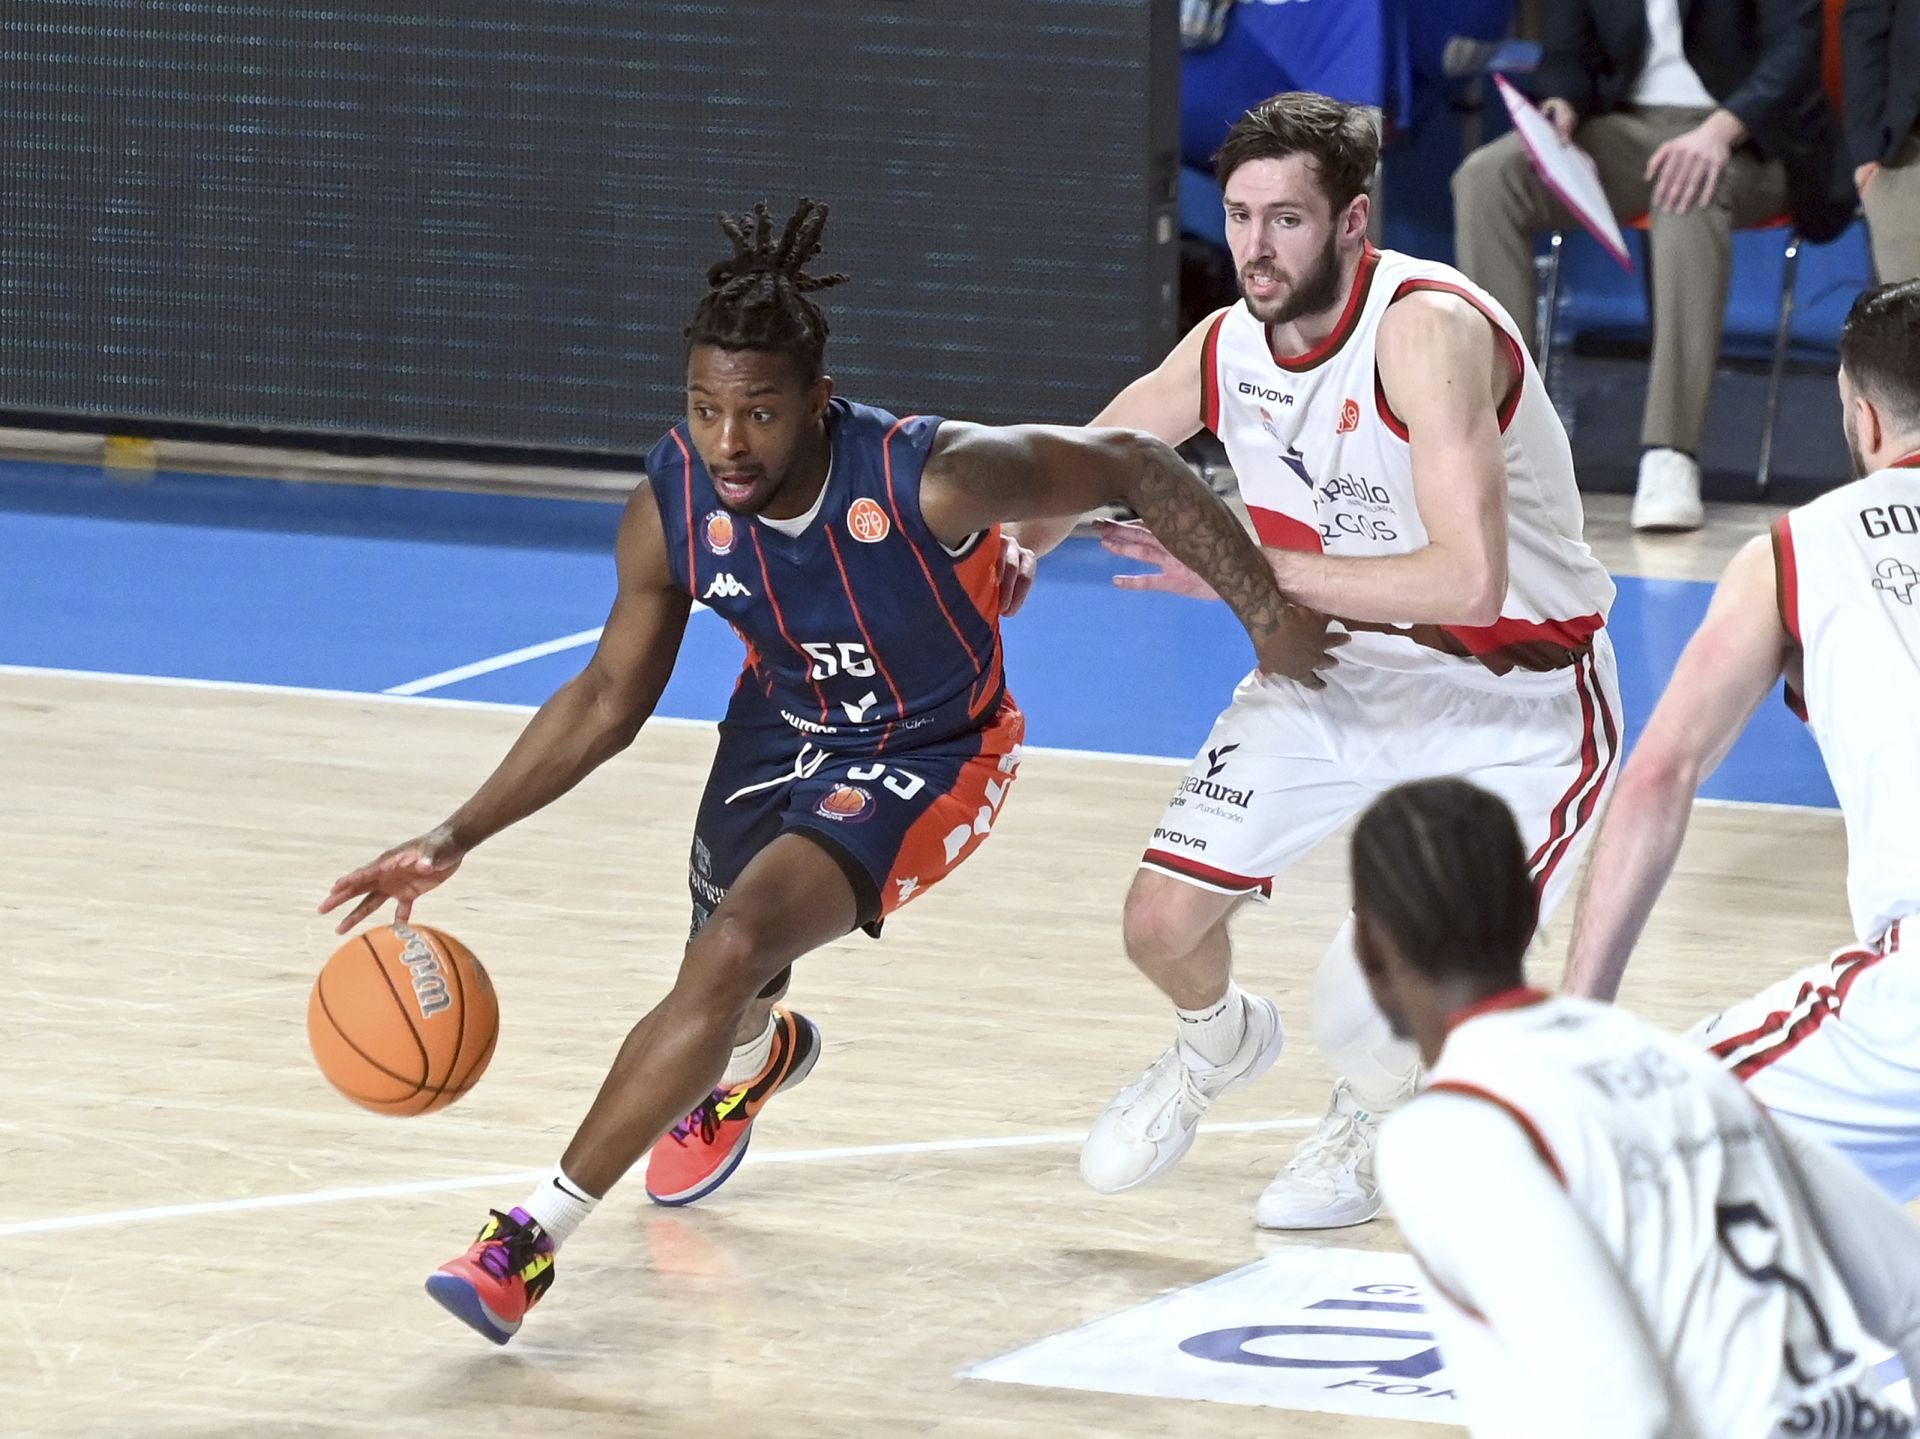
x=978, y=475
x=1728, y=668
x=1166, y=402
x=1443, y=371
x=588, y=720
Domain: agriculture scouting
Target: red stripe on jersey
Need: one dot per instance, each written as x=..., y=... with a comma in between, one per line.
x=1210, y=374
x=893, y=503
x=859, y=620
x=979, y=576
x=1206, y=873
x=1509, y=406
x=1343, y=329
x=766, y=588
x=1907, y=462
x=1284, y=532
x=693, y=586
x=1575, y=634
x=1786, y=577
x=1519, y=1116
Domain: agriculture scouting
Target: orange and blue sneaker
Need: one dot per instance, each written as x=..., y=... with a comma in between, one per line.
x=500, y=1277
x=700, y=1153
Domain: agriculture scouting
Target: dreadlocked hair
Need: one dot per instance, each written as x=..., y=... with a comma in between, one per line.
x=1439, y=865
x=757, y=298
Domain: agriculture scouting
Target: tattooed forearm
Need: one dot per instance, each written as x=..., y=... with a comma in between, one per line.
x=1196, y=525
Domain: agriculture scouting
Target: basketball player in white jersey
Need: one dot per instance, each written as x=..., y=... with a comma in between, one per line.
x=1830, y=600
x=1618, y=1240
x=1408, y=475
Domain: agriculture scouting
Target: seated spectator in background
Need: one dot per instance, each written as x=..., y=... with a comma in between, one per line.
x=1880, y=42
x=1703, y=124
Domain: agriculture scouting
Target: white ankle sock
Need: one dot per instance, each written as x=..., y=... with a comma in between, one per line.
x=559, y=1206
x=750, y=1058
x=1210, y=1037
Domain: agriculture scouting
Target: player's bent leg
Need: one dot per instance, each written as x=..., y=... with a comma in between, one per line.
x=791, y=898
x=1177, y=935
x=1833, y=1051
x=1329, y=1183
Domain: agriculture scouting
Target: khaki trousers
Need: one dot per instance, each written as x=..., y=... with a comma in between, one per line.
x=1500, y=205
x=1893, y=214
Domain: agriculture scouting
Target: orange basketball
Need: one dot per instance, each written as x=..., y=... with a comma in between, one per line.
x=403, y=1019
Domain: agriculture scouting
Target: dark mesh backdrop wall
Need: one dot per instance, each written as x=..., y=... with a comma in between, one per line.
x=486, y=223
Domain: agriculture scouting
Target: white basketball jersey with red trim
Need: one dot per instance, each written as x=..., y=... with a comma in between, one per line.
x=1325, y=465
x=1686, y=1187
x=1849, y=567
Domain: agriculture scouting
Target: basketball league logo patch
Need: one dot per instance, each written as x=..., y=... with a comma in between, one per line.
x=867, y=522
x=1349, y=418
x=847, y=803
x=720, y=532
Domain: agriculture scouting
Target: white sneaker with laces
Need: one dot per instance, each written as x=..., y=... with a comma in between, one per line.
x=1667, y=494
x=1151, y=1122
x=1329, y=1182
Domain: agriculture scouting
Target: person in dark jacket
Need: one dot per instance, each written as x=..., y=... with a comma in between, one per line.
x=1880, y=43
x=1702, y=115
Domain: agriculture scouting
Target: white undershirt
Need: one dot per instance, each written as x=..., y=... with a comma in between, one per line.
x=1666, y=78
x=797, y=526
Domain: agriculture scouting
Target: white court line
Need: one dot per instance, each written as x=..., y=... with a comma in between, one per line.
x=505, y=661
x=529, y=1176
x=496, y=662
x=502, y=707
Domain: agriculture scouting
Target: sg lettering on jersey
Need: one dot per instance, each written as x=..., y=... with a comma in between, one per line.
x=1879, y=521
x=838, y=659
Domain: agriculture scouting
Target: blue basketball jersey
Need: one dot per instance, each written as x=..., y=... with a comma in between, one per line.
x=863, y=629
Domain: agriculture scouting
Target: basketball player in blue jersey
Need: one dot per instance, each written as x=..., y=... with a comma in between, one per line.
x=870, y=741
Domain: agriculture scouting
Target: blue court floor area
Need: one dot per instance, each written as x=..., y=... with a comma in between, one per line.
x=371, y=589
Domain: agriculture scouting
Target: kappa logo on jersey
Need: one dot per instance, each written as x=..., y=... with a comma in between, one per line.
x=726, y=587
x=867, y=522
x=720, y=534
x=846, y=803
x=907, y=888
x=1217, y=758
x=1897, y=578
x=1349, y=418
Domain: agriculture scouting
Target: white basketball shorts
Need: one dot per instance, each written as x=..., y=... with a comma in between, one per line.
x=1835, y=1050
x=1285, y=766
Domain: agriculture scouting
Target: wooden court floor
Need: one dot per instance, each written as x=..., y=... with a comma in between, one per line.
x=163, y=849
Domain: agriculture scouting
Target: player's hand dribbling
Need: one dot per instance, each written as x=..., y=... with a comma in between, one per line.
x=1016, y=574
x=402, y=875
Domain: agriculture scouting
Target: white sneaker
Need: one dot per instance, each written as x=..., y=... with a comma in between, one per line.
x=1667, y=495
x=1329, y=1183
x=1151, y=1122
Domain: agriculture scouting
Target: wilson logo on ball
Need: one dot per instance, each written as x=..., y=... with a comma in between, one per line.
x=429, y=984
x=867, y=522
x=720, y=533
x=845, y=802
